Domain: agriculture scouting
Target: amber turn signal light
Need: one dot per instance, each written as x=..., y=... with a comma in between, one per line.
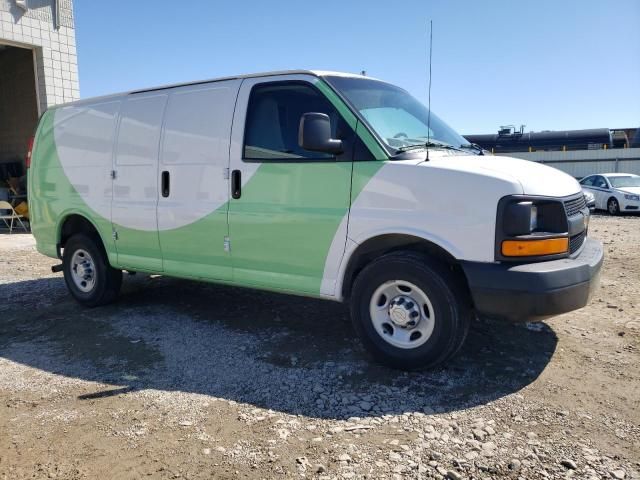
x=531, y=248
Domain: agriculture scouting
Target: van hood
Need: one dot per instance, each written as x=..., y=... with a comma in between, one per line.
x=534, y=178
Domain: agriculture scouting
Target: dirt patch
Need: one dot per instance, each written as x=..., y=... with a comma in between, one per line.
x=188, y=380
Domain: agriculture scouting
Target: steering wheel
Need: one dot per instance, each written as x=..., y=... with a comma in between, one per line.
x=401, y=134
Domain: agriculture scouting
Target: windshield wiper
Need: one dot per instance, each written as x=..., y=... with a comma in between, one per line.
x=430, y=144
x=446, y=146
x=413, y=146
x=473, y=146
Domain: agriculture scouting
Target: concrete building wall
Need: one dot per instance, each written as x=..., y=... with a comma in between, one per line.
x=46, y=27
x=18, y=102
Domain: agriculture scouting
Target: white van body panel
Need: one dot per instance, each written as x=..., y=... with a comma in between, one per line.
x=135, y=196
x=430, y=200
x=334, y=261
x=84, y=135
x=534, y=178
x=195, y=151
x=135, y=182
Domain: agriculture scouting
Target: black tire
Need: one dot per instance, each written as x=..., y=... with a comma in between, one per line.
x=613, y=207
x=107, y=280
x=448, y=297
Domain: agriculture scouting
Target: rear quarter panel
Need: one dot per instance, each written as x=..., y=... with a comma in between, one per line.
x=83, y=134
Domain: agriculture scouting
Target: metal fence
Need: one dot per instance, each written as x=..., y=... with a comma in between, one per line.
x=580, y=163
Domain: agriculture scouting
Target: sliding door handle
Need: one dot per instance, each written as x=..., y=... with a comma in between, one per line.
x=166, y=185
x=236, y=181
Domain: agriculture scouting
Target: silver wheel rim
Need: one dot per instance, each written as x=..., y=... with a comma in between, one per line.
x=612, y=206
x=83, y=272
x=402, y=314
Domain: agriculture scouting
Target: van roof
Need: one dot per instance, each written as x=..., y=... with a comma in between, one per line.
x=317, y=73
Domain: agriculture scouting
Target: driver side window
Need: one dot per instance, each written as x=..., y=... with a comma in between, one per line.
x=587, y=182
x=273, y=120
x=600, y=182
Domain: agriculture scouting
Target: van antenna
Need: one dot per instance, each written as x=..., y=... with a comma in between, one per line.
x=429, y=99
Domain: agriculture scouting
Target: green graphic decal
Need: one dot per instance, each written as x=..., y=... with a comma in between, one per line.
x=283, y=225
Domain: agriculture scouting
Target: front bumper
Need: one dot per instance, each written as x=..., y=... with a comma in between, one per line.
x=628, y=205
x=535, y=291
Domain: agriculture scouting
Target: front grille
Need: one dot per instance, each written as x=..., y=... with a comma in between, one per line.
x=576, y=241
x=574, y=205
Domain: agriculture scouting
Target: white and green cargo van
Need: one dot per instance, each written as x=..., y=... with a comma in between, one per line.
x=322, y=184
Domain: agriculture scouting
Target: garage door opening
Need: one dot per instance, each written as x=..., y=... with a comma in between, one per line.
x=18, y=112
x=18, y=119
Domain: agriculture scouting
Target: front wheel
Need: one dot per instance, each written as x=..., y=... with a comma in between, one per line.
x=411, y=312
x=613, y=207
x=87, y=273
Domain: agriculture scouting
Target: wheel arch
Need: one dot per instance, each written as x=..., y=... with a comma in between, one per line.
x=72, y=223
x=382, y=244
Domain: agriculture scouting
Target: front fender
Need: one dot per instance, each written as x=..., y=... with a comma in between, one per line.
x=441, y=242
x=352, y=246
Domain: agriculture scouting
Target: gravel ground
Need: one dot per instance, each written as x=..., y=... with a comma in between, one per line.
x=187, y=380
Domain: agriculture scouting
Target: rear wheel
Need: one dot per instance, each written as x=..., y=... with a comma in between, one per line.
x=87, y=273
x=613, y=207
x=410, y=311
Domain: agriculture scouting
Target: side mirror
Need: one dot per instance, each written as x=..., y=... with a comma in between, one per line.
x=314, y=134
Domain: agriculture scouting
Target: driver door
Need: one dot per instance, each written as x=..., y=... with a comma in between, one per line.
x=288, y=218
x=600, y=191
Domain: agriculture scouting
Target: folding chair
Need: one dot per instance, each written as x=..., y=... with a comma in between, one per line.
x=12, y=216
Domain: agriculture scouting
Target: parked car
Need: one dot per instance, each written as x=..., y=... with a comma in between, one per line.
x=590, y=199
x=614, y=192
x=327, y=185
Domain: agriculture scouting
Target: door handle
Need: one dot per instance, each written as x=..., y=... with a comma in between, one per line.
x=166, y=186
x=236, y=181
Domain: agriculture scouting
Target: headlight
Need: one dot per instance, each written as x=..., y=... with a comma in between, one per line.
x=531, y=227
x=632, y=197
x=521, y=218
x=533, y=218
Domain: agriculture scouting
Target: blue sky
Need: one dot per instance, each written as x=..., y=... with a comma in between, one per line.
x=550, y=64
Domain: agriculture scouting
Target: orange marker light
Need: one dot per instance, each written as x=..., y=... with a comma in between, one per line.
x=530, y=248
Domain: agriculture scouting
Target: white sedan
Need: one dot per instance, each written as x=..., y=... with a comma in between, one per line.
x=614, y=192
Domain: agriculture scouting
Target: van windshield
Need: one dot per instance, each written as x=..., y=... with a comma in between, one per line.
x=398, y=118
